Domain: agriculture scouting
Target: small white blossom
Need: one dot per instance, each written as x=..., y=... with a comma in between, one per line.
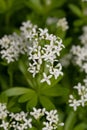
x=83, y=100
x=4, y=125
x=27, y=123
x=37, y=113
x=80, y=54
x=73, y=102
x=43, y=33
x=80, y=88
x=56, y=71
x=82, y=93
x=24, y=120
x=46, y=78
x=52, y=116
x=3, y=111
x=48, y=126
x=63, y=24
x=51, y=20
x=11, y=47
x=61, y=124
x=83, y=37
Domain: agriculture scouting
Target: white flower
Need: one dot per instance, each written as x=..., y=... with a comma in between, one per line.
x=38, y=45
x=61, y=124
x=48, y=2
x=83, y=37
x=3, y=111
x=84, y=67
x=83, y=100
x=85, y=81
x=27, y=123
x=80, y=54
x=63, y=24
x=56, y=71
x=37, y=113
x=22, y=120
x=4, y=125
x=11, y=47
x=28, y=30
x=73, y=102
x=46, y=79
x=80, y=88
x=51, y=20
x=43, y=32
x=48, y=126
x=18, y=116
x=52, y=116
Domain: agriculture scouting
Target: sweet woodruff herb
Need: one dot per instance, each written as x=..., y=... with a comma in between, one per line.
x=25, y=120
x=41, y=48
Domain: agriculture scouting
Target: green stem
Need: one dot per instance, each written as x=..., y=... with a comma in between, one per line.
x=69, y=124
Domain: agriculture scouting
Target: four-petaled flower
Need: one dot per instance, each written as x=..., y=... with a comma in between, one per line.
x=46, y=79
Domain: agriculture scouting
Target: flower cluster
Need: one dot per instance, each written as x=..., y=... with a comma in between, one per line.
x=82, y=94
x=51, y=20
x=3, y=111
x=80, y=52
x=63, y=24
x=59, y=22
x=24, y=120
x=41, y=48
x=51, y=120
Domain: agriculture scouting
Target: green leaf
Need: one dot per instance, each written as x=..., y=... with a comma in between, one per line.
x=33, y=128
x=26, y=96
x=46, y=102
x=53, y=83
x=2, y=6
x=67, y=41
x=35, y=5
x=81, y=126
x=57, y=3
x=78, y=22
x=58, y=13
x=3, y=81
x=23, y=68
x=55, y=91
x=75, y=10
x=13, y=105
x=32, y=103
x=3, y=98
x=16, y=91
x=69, y=124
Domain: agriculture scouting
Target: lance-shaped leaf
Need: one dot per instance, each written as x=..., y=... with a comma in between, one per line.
x=16, y=91
x=76, y=10
x=32, y=102
x=27, y=96
x=55, y=91
x=46, y=103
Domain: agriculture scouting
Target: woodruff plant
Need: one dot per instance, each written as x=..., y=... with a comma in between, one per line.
x=36, y=54
x=41, y=48
x=79, y=54
x=28, y=120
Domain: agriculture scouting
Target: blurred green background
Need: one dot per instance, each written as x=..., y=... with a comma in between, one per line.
x=14, y=12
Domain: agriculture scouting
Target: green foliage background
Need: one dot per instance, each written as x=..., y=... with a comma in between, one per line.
x=12, y=14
